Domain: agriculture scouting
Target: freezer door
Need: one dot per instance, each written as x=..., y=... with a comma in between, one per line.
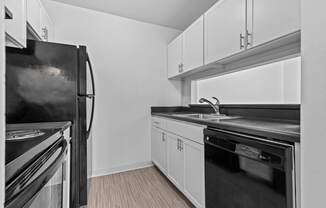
x=41, y=83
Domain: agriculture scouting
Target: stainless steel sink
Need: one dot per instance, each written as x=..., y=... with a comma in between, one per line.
x=209, y=117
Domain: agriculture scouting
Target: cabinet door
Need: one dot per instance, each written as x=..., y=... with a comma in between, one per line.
x=46, y=26
x=175, y=161
x=159, y=149
x=156, y=135
x=16, y=27
x=163, y=153
x=273, y=19
x=175, y=56
x=224, y=23
x=193, y=45
x=194, y=181
x=34, y=17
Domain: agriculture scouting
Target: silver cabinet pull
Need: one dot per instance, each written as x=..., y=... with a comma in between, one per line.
x=177, y=144
x=241, y=41
x=180, y=68
x=249, y=38
x=45, y=33
x=163, y=137
x=181, y=146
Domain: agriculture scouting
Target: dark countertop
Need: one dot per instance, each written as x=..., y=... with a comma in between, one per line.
x=274, y=129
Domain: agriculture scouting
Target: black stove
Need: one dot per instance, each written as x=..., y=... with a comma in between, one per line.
x=24, y=145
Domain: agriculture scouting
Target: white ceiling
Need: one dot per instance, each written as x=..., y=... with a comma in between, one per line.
x=177, y=14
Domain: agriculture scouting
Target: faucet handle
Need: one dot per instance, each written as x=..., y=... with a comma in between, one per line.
x=217, y=100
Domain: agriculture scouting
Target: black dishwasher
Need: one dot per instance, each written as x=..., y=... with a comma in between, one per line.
x=243, y=171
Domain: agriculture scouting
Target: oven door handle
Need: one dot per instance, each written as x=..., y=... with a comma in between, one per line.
x=28, y=193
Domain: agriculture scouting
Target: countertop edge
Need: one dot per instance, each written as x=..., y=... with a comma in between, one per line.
x=268, y=133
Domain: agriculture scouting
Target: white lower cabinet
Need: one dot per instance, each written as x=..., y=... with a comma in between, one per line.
x=194, y=180
x=159, y=149
x=175, y=161
x=181, y=158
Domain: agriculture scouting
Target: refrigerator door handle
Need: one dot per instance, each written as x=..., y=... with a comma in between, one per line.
x=91, y=96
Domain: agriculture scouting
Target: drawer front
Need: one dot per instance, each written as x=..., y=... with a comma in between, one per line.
x=158, y=122
x=189, y=131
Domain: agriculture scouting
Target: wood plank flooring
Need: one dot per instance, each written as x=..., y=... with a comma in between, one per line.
x=143, y=188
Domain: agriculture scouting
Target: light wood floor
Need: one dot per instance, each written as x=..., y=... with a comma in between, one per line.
x=143, y=188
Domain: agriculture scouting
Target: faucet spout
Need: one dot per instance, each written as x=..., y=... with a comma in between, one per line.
x=215, y=106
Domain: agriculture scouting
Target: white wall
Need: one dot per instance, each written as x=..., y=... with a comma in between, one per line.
x=275, y=83
x=129, y=60
x=2, y=106
x=313, y=108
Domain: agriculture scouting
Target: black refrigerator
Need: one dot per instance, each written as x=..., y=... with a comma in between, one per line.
x=49, y=82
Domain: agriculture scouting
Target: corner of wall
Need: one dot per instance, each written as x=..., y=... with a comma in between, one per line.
x=2, y=105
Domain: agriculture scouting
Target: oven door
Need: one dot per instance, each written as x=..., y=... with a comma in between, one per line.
x=42, y=184
x=243, y=171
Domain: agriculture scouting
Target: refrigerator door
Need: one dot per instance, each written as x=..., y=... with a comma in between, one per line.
x=48, y=82
x=41, y=83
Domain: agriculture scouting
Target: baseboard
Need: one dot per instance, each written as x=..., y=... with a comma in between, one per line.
x=119, y=169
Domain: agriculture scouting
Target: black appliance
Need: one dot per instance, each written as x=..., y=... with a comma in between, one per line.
x=42, y=181
x=248, y=172
x=24, y=145
x=48, y=82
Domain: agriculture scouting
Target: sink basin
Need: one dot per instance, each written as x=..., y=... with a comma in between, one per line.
x=209, y=117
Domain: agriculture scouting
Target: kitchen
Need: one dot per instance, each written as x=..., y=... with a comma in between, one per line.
x=131, y=68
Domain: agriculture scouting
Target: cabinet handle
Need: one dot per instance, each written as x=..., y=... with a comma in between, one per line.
x=163, y=137
x=248, y=37
x=178, y=144
x=241, y=41
x=156, y=122
x=45, y=33
x=181, y=146
x=181, y=67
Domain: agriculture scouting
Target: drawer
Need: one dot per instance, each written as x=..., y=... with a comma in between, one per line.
x=158, y=122
x=187, y=130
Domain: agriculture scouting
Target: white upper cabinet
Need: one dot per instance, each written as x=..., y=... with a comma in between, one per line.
x=224, y=29
x=273, y=19
x=175, y=56
x=34, y=17
x=193, y=45
x=229, y=28
x=27, y=15
x=47, y=32
x=16, y=27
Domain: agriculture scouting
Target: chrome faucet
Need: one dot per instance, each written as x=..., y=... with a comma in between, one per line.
x=215, y=106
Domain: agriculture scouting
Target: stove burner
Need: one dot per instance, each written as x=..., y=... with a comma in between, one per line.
x=23, y=134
